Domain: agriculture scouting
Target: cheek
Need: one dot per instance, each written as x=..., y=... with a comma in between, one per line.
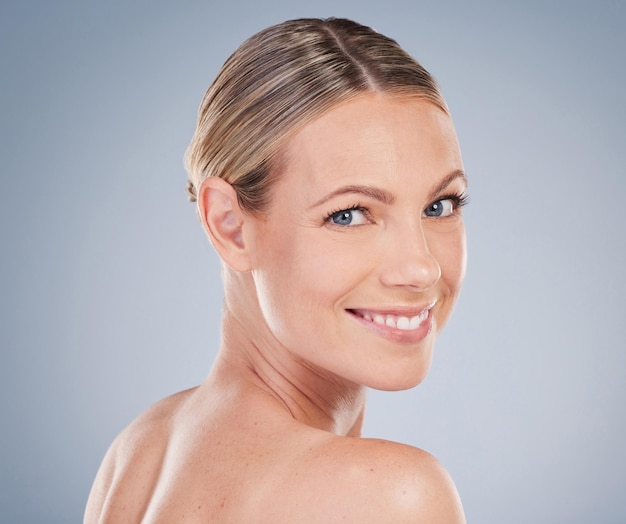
x=298, y=283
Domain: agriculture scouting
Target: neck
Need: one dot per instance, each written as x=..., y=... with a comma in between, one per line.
x=310, y=396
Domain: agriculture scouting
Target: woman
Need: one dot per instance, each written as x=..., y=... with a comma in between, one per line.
x=328, y=177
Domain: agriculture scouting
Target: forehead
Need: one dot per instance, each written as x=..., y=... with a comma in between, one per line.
x=375, y=137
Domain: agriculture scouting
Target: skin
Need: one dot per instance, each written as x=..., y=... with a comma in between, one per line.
x=273, y=434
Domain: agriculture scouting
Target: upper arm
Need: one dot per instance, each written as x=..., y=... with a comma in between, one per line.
x=128, y=473
x=100, y=487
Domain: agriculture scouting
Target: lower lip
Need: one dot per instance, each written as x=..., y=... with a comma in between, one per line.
x=398, y=335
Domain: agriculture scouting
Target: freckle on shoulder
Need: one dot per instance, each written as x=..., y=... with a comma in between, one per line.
x=392, y=482
x=418, y=487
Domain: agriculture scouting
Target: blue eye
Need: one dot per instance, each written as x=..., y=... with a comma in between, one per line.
x=446, y=206
x=348, y=217
x=440, y=208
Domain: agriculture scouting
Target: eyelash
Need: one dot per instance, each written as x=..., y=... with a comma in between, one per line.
x=355, y=207
x=459, y=200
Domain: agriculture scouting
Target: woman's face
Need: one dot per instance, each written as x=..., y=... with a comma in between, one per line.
x=361, y=257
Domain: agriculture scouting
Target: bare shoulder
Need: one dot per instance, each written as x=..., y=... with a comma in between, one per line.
x=368, y=480
x=132, y=464
x=417, y=487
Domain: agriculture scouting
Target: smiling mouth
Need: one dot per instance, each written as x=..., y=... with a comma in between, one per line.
x=400, y=322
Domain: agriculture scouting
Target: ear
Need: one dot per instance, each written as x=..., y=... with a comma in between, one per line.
x=223, y=220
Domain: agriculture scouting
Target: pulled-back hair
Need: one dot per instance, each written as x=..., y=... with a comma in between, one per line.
x=281, y=79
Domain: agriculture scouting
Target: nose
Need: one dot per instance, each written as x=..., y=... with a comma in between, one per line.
x=407, y=262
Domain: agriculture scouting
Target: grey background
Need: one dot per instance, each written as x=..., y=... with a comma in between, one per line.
x=110, y=295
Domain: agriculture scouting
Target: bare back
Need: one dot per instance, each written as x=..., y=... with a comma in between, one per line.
x=186, y=460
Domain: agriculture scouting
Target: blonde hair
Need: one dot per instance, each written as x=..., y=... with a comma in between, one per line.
x=279, y=80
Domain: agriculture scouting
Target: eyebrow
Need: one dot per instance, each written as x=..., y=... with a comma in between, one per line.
x=446, y=182
x=385, y=196
x=373, y=192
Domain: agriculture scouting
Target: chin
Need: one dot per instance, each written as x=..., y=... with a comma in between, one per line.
x=400, y=380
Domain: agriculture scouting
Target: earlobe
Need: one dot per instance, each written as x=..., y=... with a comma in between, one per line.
x=223, y=220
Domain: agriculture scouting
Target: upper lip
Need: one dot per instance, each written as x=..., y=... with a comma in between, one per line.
x=400, y=311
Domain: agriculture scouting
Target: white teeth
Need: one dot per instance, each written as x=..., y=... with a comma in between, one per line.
x=392, y=321
x=404, y=323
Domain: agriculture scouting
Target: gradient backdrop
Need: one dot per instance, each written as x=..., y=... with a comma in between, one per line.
x=110, y=295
